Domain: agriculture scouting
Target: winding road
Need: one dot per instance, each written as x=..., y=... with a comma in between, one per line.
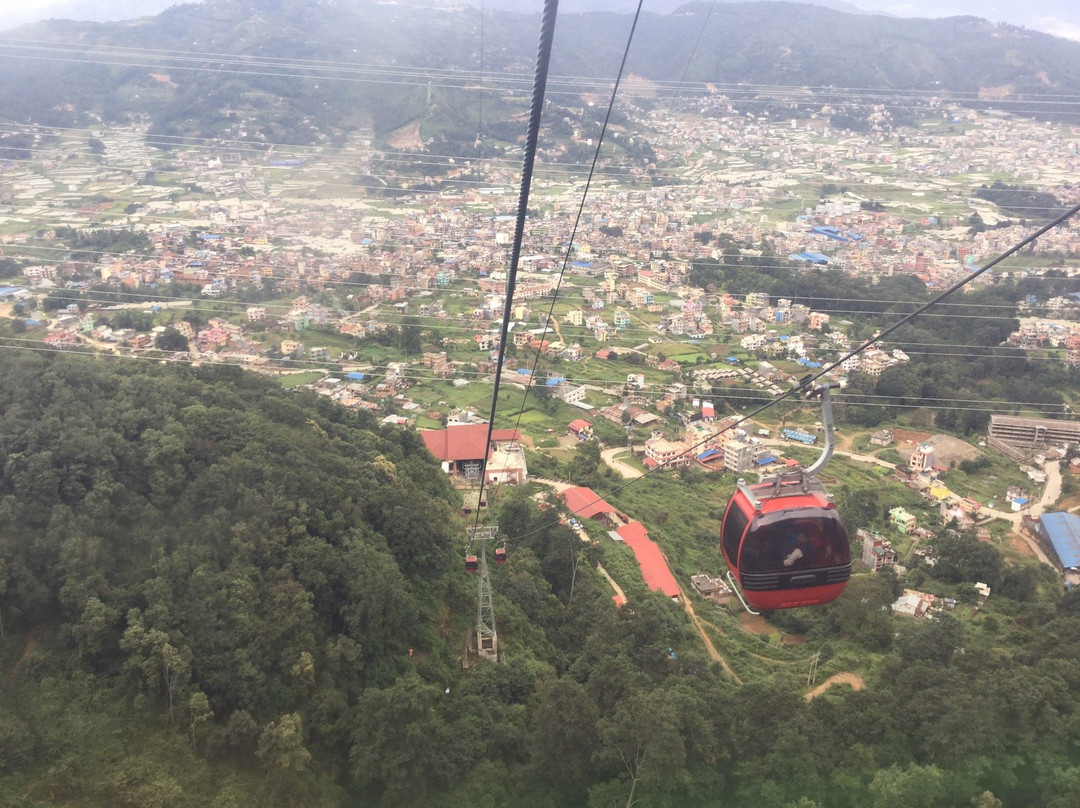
x=627, y=471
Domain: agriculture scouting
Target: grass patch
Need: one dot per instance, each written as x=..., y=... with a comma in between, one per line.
x=291, y=380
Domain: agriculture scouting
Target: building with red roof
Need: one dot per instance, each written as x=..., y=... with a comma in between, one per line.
x=581, y=428
x=464, y=450
x=654, y=568
x=585, y=502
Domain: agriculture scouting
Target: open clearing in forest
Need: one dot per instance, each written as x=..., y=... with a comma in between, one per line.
x=755, y=624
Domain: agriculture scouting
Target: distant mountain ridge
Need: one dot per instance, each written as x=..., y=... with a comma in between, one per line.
x=309, y=70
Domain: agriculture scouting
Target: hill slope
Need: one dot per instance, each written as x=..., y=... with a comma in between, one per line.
x=300, y=72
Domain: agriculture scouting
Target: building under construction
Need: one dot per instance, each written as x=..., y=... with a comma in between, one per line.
x=1016, y=436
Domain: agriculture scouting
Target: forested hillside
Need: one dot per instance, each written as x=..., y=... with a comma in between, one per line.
x=214, y=592
x=297, y=72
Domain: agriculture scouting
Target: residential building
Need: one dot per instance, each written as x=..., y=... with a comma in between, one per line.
x=922, y=459
x=569, y=392
x=660, y=452
x=902, y=520
x=883, y=437
x=877, y=550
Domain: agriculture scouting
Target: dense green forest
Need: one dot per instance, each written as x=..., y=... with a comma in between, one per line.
x=215, y=592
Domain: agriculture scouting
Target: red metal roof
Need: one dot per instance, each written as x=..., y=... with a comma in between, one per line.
x=464, y=442
x=654, y=568
x=580, y=425
x=584, y=502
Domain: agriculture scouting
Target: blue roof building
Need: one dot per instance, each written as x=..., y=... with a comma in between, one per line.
x=828, y=232
x=1062, y=532
x=812, y=257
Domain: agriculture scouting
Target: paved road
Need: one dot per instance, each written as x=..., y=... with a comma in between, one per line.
x=710, y=649
x=558, y=485
x=614, y=586
x=1050, y=494
x=1052, y=490
x=627, y=471
x=877, y=461
x=836, y=452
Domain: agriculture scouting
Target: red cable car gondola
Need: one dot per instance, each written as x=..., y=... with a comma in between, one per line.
x=783, y=540
x=500, y=555
x=471, y=563
x=786, y=546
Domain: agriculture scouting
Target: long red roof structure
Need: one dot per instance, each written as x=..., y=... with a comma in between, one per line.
x=465, y=441
x=584, y=502
x=654, y=568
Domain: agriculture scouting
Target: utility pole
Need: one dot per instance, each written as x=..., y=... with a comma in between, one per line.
x=811, y=675
x=487, y=640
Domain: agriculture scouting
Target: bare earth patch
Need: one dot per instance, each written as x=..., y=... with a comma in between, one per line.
x=755, y=624
x=909, y=438
x=1021, y=546
x=407, y=137
x=947, y=449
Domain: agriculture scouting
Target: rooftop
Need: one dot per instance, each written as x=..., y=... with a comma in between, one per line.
x=1062, y=530
x=585, y=502
x=465, y=441
x=654, y=568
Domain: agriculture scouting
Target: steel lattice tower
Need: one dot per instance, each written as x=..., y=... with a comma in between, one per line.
x=487, y=640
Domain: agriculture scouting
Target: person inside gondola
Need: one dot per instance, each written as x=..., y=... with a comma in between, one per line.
x=801, y=552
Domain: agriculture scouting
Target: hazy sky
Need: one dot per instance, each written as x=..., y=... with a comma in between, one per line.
x=1060, y=17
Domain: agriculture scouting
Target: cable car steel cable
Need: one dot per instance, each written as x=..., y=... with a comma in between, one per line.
x=519, y=236
x=547, y=33
x=812, y=379
x=809, y=381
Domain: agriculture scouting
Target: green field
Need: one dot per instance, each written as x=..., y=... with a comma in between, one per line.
x=290, y=380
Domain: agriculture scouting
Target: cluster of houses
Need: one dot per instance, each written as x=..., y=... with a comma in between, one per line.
x=914, y=603
x=1037, y=332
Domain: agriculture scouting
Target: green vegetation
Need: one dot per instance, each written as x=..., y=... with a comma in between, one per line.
x=291, y=380
x=217, y=592
x=833, y=49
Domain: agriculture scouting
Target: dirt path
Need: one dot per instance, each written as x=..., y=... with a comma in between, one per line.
x=853, y=679
x=709, y=647
x=614, y=586
x=28, y=649
x=755, y=624
x=1050, y=494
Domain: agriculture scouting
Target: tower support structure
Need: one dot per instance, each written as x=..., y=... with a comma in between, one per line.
x=487, y=638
